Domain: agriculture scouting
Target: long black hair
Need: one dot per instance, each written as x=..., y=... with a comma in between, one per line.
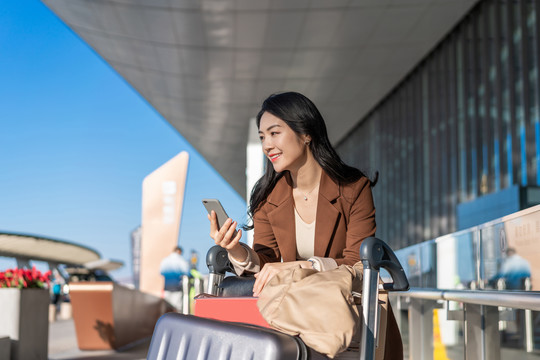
x=303, y=117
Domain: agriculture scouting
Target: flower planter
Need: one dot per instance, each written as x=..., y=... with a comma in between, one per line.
x=109, y=316
x=25, y=321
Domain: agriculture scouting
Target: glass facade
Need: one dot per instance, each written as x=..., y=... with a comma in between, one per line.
x=463, y=124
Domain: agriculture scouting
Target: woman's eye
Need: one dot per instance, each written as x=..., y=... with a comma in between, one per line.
x=274, y=133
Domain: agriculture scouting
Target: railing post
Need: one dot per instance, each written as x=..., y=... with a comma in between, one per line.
x=399, y=304
x=482, y=338
x=421, y=329
x=529, y=325
x=198, y=285
x=185, y=294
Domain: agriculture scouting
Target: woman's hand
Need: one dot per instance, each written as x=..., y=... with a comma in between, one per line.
x=224, y=237
x=270, y=269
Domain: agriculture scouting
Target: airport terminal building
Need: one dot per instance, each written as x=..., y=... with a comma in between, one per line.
x=442, y=98
x=457, y=142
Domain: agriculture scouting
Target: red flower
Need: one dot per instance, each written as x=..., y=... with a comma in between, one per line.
x=24, y=278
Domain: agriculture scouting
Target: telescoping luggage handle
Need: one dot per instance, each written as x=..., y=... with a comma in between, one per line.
x=375, y=254
x=218, y=264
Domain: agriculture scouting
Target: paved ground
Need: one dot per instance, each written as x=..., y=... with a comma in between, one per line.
x=63, y=345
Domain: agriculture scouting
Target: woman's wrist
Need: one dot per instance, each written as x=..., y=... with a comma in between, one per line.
x=238, y=253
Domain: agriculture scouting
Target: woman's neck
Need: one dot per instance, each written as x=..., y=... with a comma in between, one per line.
x=308, y=176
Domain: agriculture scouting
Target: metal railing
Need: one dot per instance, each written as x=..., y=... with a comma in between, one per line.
x=199, y=284
x=527, y=300
x=479, y=311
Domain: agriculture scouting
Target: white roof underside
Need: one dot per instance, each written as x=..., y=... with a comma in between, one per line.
x=38, y=248
x=206, y=65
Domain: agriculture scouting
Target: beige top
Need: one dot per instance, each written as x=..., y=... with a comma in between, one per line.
x=305, y=248
x=305, y=237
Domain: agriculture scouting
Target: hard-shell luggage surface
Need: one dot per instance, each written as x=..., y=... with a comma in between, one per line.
x=178, y=336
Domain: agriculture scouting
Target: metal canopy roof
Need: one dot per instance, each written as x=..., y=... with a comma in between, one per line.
x=104, y=264
x=206, y=65
x=45, y=249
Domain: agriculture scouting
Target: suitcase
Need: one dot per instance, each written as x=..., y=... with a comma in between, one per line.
x=179, y=336
x=189, y=337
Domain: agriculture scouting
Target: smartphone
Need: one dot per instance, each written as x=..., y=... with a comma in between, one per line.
x=214, y=204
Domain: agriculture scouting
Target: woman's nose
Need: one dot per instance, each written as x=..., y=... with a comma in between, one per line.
x=267, y=145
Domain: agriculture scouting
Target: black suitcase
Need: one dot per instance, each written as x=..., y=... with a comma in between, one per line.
x=189, y=337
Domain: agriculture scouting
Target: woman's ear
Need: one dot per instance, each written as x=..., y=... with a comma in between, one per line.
x=307, y=139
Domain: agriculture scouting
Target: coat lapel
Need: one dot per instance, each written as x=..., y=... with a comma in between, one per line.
x=282, y=217
x=327, y=215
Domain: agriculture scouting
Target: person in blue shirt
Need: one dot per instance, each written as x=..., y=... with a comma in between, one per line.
x=172, y=268
x=515, y=270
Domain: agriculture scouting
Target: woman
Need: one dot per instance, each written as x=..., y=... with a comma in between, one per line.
x=309, y=208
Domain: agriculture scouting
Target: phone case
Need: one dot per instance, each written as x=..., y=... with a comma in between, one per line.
x=215, y=204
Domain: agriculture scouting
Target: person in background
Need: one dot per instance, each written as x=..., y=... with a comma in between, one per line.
x=515, y=270
x=57, y=294
x=172, y=268
x=194, y=260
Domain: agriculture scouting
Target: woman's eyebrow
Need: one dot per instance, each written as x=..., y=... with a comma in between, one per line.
x=270, y=128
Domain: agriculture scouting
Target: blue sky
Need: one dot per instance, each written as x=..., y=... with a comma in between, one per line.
x=76, y=142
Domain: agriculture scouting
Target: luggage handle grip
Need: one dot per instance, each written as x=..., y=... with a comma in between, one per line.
x=376, y=254
x=217, y=260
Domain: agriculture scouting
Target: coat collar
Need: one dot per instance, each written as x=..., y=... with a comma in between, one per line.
x=282, y=216
x=282, y=191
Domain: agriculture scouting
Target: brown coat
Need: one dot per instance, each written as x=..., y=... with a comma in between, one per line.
x=345, y=217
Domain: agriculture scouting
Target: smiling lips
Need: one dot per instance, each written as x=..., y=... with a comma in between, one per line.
x=274, y=157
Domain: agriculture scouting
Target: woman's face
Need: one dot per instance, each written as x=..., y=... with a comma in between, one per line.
x=285, y=149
